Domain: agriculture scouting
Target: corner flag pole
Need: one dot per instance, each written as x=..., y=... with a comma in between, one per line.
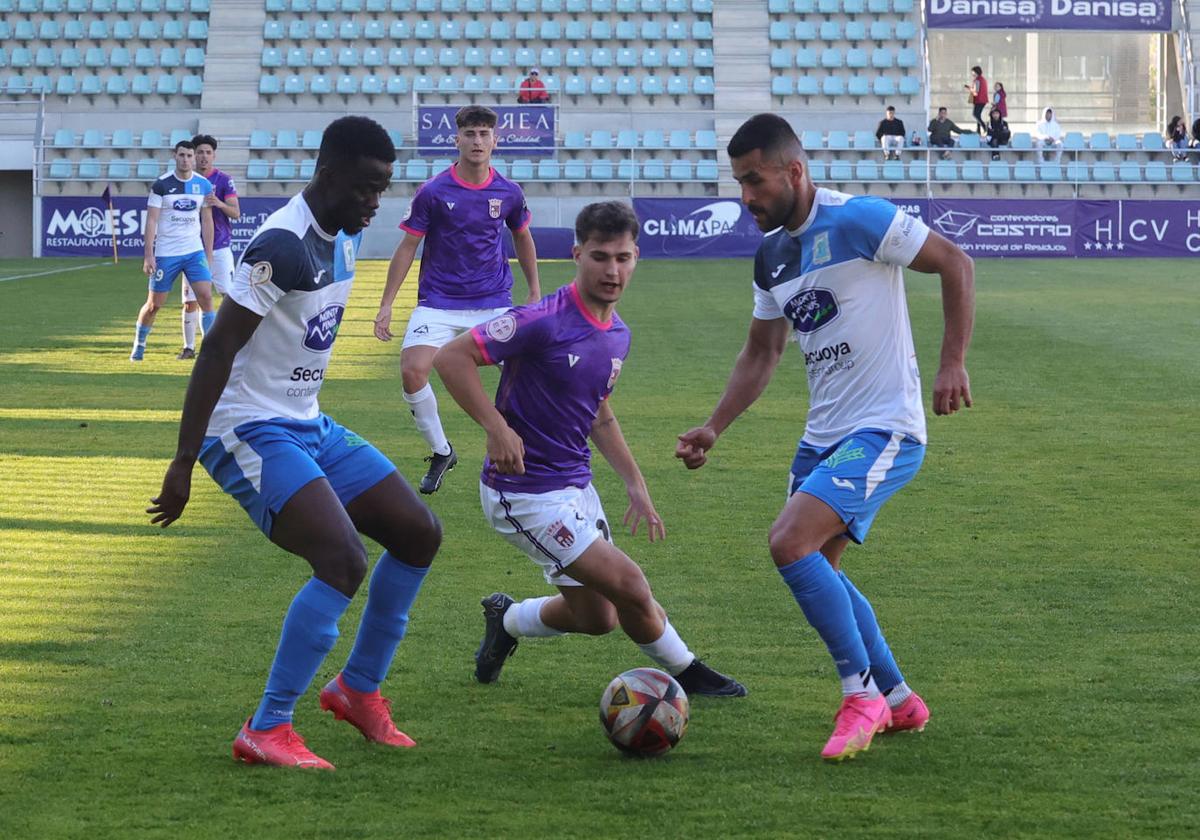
x=107, y=196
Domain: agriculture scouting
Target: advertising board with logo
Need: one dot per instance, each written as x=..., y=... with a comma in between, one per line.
x=695, y=227
x=75, y=226
x=522, y=130
x=1111, y=15
x=1002, y=228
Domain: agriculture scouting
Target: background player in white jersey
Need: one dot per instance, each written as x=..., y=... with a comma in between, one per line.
x=251, y=417
x=564, y=355
x=832, y=274
x=179, y=239
x=224, y=203
x=465, y=277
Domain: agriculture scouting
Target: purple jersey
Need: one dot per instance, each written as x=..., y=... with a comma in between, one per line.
x=560, y=363
x=223, y=188
x=463, y=265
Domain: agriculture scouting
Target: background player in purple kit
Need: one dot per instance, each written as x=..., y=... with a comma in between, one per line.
x=465, y=278
x=224, y=203
x=563, y=356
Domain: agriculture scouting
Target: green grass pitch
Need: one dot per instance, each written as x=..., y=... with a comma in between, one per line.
x=1038, y=581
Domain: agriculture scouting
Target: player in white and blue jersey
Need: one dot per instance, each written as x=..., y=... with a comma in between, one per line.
x=312, y=486
x=179, y=239
x=830, y=271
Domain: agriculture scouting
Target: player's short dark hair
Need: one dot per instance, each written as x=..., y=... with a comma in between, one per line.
x=205, y=140
x=605, y=221
x=941, y=108
x=347, y=139
x=473, y=115
x=185, y=144
x=890, y=108
x=769, y=132
x=977, y=70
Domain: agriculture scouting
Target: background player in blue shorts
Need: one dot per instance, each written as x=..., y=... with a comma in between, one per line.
x=565, y=354
x=830, y=271
x=251, y=417
x=179, y=239
x=461, y=214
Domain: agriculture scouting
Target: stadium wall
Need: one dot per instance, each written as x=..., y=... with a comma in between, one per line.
x=674, y=228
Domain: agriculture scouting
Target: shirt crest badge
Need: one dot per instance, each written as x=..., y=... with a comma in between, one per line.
x=348, y=254
x=494, y=207
x=821, y=252
x=616, y=371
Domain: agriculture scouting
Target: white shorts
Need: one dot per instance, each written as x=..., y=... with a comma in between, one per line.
x=438, y=327
x=552, y=529
x=222, y=274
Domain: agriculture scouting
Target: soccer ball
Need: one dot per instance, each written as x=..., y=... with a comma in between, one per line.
x=644, y=712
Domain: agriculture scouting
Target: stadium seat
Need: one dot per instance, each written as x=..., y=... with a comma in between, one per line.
x=703, y=85
x=522, y=170
x=970, y=141
x=1127, y=143
x=833, y=86
x=1152, y=141
x=782, y=86
x=1073, y=141
x=806, y=58
x=1077, y=171
x=856, y=31
x=972, y=170
x=1022, y=141
x=1050, y=172
x=816, y=170
x=601, y=139
x=864, y=139
x=64, y=138
x=1156, y=172
x=602, y=170
x=906, y=57
x=575, y=171
x=906, y=30
x=858, y=86
x=680, y=170
x=945, y=170
x=838, y=140
x=67, y=86
x=679, y=139
x=811, y=139
x=883, y=86
x=116, y=86
x=654, y=169
x=866, y=170
x=416, y=170
x=841, y=170
x=808, y=86
x=283, y=170
x=881, y=58
x=831, y=58
x=1129, y=172
x=881, y=30
x=148, y=169
x=320, y=85
x=1100, y=141
x=918, y=170
x=1182, y=172
x=119, y=170
x=258, y=169
x=547, y=170
x=1024, y=170
x=998, y=170
x=269, y=86
x=166, y=85
x=830, y=31
x=1104, y=171
x=706, y=139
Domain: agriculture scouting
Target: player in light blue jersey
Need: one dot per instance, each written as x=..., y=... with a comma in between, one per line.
x=830, y=271
x=312, y=486
x=179, y=239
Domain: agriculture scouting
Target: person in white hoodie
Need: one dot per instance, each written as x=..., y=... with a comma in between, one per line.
x=1049, y=135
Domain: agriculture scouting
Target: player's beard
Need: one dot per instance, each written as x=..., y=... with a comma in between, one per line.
x=780, y=212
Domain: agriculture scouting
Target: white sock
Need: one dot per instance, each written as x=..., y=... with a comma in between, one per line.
x=524, y=618
x=898, y=695
x=423, y=406
x=860, y=683
x=669, y=651
x=191, y=320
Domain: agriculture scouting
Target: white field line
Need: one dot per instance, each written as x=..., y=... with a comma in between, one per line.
x=54, y=271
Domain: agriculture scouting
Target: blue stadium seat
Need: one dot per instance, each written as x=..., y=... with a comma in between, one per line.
x=522, y=170
x=283, y=170
x=627, y=138
x=66, y=86
x=601, y=139
x=1156, y=172
x=906, y=57
x=547, y=170
x=833, y=86
x=192, y=85
x=575, y=171
x=320, y=85
x=681, y=170
x=1050, y=172
x=918, y=170
x=1129, y=171
x=808, y=86
x=1024, y=170
x=573, y=85
x=863, y=139
x=1022, y=141
x=702, y=57
x=881, y=30
x=779, y=30
x=703, y=85
x=838, y=140
x=805, y=31
x=166, y=85
x=258, y=169
x=856, y=31
x=945, y=170
x=1104, y=171
x=173, y=31
x=449, y=57
x=260, y=138
x=841, y=170
x=1077, y=171
x=782, y=86
x=152, y=138
x=651, y=86
x=1100, y=141
x=269, y=86
x=881, y=58
x=1152, y=141
x=972, y=170
x=679, y=139
x=902, y=7
x=678, y=85
x=145, y=58
x=782, y=58
x=831, y=31
x=998, y=170
x=706, y=139
x=654, y=169
x=148, y=169
x=706, y=170
x=602, y=170
x=866, y=170
x=550, y=57
x=116, y=86
x=816, y=170
x=64, y=138
x=806, y=58
x=856, y=58
x=811, y=139
x=1073, y=142
x=119, y=170
x=906, y=30
x=322, y=57
x=831, y=58
x=626, y=86
x=170, y=57
x=1182, y=172
x=120, y=57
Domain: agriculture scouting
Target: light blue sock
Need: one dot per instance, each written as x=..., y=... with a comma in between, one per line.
x=206, y=321
x=142, y=333
x=827, y=607
x=883, y=665
x=309, y=631
x=394, y=587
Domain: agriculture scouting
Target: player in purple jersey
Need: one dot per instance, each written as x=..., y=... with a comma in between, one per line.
x=562, y=357
x=465, y=278
x=224, y=202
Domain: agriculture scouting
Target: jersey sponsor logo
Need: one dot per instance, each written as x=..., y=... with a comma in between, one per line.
x=811, y=309
x=904, y=231
x=494, y=205
x=260, y=273
x=303, y=374
x=821, y=252
x=322, y=328
x=831, y=353
x=185, y=205
x=502, y=328
x=572, y=359
x=778, y=270
x=616, y=371
x=850, y=450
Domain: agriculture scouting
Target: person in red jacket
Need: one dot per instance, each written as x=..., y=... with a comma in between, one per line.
x=977, y=95
x=532, y=91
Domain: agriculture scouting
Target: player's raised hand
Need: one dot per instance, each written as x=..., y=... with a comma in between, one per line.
x=640, y=507
x=693, y=446
x=383, y=324
x=168, y=505
x=951, y=388
x=507, y=451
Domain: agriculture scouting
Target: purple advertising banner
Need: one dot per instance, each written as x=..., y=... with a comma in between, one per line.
x=1135, y=15
x=1006, y=228
x=1137, y=228
x=75, y=226
x=524, y=130
x=695, y=227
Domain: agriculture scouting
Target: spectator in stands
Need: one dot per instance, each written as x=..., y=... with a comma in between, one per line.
x=940, y=130
x=1049, y=135
x=977, y=97
x=998, y=132
x=1177, y=138
x=890, y=134
x=533, y=91
x=1196, y=132
x=1000, y=99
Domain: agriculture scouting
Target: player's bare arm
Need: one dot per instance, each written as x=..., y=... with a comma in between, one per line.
x=952, y=387
x=398, y=268
x=229, y=334
x=458, y=364
x=751, y=372
x=230, y=206
x=527, y=257
x=607, y=436
x=207, y=232
x=148, y=262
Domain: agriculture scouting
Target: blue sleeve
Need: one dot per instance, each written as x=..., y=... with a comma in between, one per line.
x=282, y=252
x=760, y=275
x=866, y=222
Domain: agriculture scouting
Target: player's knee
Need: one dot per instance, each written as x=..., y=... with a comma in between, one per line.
x=599, y=623
x=425, y=540
x=345, y=567
x=152, y=307
x=632, y=590
x=788, y=545
x=414, y=379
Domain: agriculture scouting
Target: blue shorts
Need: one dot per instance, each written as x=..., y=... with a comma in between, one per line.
x=168, y=268
x=858, y=474
x=264, y=463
